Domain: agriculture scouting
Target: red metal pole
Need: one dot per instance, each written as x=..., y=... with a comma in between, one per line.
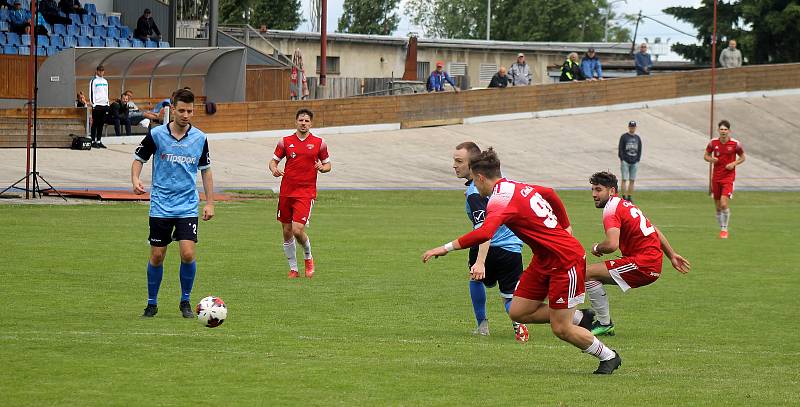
x=323, y=38
x=713, y=88
x=31, y=87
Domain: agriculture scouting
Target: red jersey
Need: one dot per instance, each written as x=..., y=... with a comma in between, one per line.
x=726, y=153
x=637, y=236
x=536, y=215
x=299, y=174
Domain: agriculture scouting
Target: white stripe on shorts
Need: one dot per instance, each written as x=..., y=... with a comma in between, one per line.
x=616, y=274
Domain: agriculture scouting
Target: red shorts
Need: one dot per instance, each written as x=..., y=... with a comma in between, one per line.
x=632, y=272
x=562, y=286
x=294, y=209
x=722, y=188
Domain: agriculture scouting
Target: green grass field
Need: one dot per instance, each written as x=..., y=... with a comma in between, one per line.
x=376, y=326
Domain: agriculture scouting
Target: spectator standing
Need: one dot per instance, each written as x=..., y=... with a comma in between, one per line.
x=146, y=28
x=591, y=67
x=19, y=19
x=298, y=85
x=643, y=61
x=571, y=70
x=438, y=78
x=630, y=153
x=520, y=72
x=71, y=7
x=500, y=79
x=50, y=11
x=730, y=57
x=98, y=92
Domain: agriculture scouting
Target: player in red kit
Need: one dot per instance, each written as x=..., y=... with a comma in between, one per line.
x=305, y=154
x=722, y=152
x=557, y=272
x=640, y=242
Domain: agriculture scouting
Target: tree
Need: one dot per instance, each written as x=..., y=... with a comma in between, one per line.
x=517, y=20
x=702, y=18
x=369, y=17
x=275, y=14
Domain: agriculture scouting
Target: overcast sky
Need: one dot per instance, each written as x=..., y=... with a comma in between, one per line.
x=647, y=28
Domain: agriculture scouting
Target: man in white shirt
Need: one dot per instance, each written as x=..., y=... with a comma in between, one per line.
x=98, y=100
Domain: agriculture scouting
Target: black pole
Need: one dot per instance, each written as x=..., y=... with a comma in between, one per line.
x=636, y=31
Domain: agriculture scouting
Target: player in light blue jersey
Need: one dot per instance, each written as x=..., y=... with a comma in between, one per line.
x=496, y=262
x=179, y=151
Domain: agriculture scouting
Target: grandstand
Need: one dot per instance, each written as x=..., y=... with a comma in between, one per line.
x=93, y=29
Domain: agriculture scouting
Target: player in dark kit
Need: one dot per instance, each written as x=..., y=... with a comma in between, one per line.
x=178, y=151
x=557, y=272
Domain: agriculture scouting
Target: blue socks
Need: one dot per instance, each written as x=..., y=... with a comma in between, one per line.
x=188, y=271
x=154, y=274
x=507, y=303
x=477, y=291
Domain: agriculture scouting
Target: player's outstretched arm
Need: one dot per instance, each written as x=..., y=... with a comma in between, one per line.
x=273, y=168
x=136, y=171
x=678, y=262
x=609, y=245
x=441, y=250
x=208, y=188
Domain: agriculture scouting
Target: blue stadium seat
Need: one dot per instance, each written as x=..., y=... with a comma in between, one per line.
x=86, y=31
x=10, y=50
x=26, y=39
x=4, y=15
x=137, y=43
x=76, y=19
x=111, y=43
x=70, y=42
x=51, y=51
x=150, y=44
x=42, y=41
x=60, y=29
x=113, y=32
x=100, y=31
x=24, y=50
x=163, y=44
x=2, y=38
x=13, y=39
x=4, y=26
x=57, y=41
x=41, y=51
x=125, y=32
x=90, y=8
x=84, y=42
x=98, y=42
x=73, y=29
x=114, y=21
x=100, y=19
x=124, y=43
x=86, y=19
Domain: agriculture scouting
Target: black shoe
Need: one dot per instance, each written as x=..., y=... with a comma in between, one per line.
x=150, y=311
x=609, y=366
x=587, y=320
x=101, y=145
x=94, y=144
x=186, y=309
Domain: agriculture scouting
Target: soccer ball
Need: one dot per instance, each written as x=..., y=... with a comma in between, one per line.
x=211, y=311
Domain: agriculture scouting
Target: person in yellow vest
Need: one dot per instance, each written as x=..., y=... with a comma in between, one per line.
x=571, y=70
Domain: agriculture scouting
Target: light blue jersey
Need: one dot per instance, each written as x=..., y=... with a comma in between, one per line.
x=503, y=238
x=174, y=187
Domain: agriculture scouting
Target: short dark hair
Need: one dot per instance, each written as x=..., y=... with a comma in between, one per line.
x=725, y=123
x=486, y=163
x=306, y=112
x=100, y=68
x=182, y=95
x=605, y=179
x=472, y=148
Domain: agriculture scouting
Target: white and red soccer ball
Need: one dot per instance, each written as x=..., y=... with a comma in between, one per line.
x=211, y=311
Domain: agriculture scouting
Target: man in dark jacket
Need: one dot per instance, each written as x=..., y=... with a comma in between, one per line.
x=49, y=10
x=630, y=153
x=119, y=115
x=146, y=28
x=500, y=79
x=571, y=70
x=71, y=7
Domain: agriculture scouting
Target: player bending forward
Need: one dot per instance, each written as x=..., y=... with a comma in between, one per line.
x=536, y=215
x=640, y=242
x=306, y=154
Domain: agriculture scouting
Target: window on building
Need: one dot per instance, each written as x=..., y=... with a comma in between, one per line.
x=423, y=70
x=487, y=71
x=332, y=65
x=457, y=69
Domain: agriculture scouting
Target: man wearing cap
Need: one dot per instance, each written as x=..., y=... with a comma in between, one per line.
x=630, y=152
x=438, y=78
x=98, y=100
x=520, y=72
x=590, y=65
x=146, y=28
